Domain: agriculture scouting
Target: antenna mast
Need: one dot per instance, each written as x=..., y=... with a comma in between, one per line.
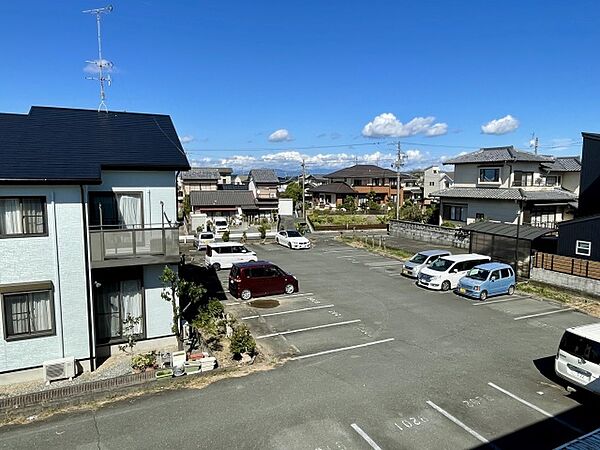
x=534, y=143
x=100, y=63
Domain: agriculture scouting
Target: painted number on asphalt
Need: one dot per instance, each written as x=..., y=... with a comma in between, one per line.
x=411, y=422
x=477, y=401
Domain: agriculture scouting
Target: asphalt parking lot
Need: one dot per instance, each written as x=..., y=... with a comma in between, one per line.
x=465, y=372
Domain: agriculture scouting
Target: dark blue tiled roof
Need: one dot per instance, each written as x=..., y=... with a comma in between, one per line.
x=72, y=145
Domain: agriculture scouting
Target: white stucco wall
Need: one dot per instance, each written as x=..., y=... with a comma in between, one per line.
x=60, y=255
x=496, y=210
x=154, y=186
x=159, y=315
x=570, y=181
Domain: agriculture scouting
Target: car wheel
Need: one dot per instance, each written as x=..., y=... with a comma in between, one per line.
x=246, y=294
x=277, y=240
x=446, y=286
x=511, y=290
x=483, y=296
x=217, y=266
x=289, y=288
x=290, y=245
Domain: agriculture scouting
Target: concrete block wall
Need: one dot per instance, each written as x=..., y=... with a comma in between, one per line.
x=428, y=233
x=573, y=282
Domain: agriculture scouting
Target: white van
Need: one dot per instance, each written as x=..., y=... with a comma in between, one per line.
x=222, y=255
x=219, y=224
x=203, y=238
x=444, y=273
x=578, y=357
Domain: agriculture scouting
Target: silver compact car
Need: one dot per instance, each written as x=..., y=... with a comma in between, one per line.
x=413, y=266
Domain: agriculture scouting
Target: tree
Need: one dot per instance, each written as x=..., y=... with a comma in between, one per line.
x=349, y=204
x=293, y=191
x=412, y=211
x=372, y=204
x=177, y=291
x=187, y=206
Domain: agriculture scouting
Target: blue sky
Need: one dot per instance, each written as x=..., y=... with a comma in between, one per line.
x=264, y=83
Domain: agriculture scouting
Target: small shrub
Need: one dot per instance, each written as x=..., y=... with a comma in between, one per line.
x=143, y=361
x=244, y=237
x=225, y=236
x=262, y=229
x=448, y=224
x=242, y=341
x=199, y=228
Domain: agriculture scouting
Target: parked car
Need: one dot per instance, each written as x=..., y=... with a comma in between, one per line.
x=444, y=273
x=292, y=239
x=222, y=255
x=219, y=224
x=486, y=280
x=578, y=357
x=202, y=239
x=413, y=266
x=255, y=279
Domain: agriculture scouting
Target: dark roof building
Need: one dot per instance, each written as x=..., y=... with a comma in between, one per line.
x=578, y=238
x=363, y=171
x=506, y=194
x=589, y=195
x=65, y=145
x=263, y=176
x=563, y=164
x=220, y=199
x=498, y=154
x=332, y=188
x=201, y=174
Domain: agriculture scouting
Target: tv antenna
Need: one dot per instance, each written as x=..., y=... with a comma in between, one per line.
x=101, y=63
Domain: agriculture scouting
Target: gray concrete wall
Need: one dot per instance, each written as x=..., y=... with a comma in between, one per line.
x=428, y=233
x=576, y=283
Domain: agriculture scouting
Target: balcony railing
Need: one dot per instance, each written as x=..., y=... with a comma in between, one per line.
x=542, y=224
x=123, y=243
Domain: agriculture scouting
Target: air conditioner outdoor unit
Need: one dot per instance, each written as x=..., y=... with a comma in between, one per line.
x=59, y=369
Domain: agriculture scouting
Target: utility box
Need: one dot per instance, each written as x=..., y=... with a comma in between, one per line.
x=286, y=207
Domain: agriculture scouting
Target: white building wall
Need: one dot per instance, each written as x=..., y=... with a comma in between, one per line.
x=159, y=314
x=155, y=187
x=494, y=210
x=570, y=181
x=59, y=258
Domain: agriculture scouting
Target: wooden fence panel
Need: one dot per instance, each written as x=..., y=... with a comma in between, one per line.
x=566, y=264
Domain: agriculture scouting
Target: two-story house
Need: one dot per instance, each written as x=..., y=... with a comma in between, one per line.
x=264, y=183
x=508, y=185
x=435, y=180
x=366, y=179
x=87, y=224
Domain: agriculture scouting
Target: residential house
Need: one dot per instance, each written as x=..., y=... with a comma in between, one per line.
x=263, y=184
x=435, y=180
x=87, y=224
x=508, y=185
x=367, y=178
x=412, y=188
x=200, y=179
x=224, y=203
x=579, y=238
x=331, y=195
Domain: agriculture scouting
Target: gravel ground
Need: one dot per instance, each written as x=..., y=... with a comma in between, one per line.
x=115, y=366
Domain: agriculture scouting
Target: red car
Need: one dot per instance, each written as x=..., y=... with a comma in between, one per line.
x=258, y=278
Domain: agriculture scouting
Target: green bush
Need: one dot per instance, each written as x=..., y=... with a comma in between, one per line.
x=225, y=236
x=262, y=229
x=209, y=320
x=144, y=361
x=242, y=341
x=448, y=224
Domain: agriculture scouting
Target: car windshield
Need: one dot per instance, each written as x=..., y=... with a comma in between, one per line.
x=293, y=234
x=221, y=223
x=418, y=258
x=441, y=265
x=478, y=274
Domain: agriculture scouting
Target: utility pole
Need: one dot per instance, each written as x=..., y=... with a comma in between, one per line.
x=303, y=194
x=398, y=165
x=534, y=143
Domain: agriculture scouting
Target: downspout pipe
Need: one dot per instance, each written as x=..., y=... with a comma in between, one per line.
x=58, y=280
x=88, y=281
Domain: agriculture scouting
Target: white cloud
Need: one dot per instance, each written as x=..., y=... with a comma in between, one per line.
x=186, y=139
x=414, y=156
x=503, y=125
x=280, y=135
x=386, y=125
x=93, y=67
x=238, y=160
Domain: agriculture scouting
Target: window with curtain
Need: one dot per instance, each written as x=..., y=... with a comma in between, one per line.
x=489, y=175
x=122, y=209
x=22, y=216
x=28, y=314
x=115, y=301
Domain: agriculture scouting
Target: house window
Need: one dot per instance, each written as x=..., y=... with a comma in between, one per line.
x=479, y=217
x=357, y=182
x=553, y=180
x=583, y=248
x=115, y=301
x=23, y=216
x=117, y=209
x=432, y=183
x=454, y=212
x=489, y=175
x=523, y=178
x=28, y=314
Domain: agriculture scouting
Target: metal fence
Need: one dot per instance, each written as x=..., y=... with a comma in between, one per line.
x=566, y=264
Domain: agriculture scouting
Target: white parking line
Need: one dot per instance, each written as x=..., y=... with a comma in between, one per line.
x=341, y=251
x=512, y=299
x=532, y=406
x=310, y=308
x=383, y=263
x=365, y=436
x=469, y=430
x=345, y=256
x=341, y=349
x=281, y=297
x=299, y=330
x=544, y=313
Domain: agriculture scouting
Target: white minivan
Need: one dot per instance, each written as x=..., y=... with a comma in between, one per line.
x=221, y=255
x=220, y=224
x=578, y=357
x=444, y=273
